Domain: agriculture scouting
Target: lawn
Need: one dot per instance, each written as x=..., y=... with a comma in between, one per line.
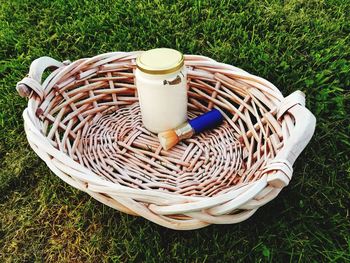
x=297, y=45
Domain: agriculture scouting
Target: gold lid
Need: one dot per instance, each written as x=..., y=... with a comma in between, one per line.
x=160, y=61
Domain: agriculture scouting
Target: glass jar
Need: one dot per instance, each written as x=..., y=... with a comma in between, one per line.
x=161, y=81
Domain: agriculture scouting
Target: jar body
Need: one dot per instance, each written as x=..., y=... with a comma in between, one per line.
x=163, y=99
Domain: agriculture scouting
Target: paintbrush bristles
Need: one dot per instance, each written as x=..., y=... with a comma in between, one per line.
x=168, y=139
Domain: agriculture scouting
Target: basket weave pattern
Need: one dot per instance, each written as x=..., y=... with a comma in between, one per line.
x=84, y=121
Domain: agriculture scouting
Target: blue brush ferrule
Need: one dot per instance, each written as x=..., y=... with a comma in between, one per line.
x=207, y=121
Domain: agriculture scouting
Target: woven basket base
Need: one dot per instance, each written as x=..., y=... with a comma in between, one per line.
x=118, y=148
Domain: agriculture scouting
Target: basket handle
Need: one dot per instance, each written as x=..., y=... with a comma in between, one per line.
x=305, y=123
x=300, y=136
x=32, y=82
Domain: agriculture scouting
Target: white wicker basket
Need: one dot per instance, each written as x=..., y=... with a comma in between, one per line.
x=84, y=122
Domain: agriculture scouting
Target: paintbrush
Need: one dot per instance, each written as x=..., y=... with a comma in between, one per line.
x=206, y=121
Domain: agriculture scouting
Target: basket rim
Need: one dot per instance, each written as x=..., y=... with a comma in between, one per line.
x=110, y=56
x=91, y=182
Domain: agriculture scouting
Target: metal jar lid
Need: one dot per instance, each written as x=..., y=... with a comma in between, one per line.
x=160, y=61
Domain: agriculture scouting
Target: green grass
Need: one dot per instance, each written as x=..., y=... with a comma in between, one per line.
x=301, y=45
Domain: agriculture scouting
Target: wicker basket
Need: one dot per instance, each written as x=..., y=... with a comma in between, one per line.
x=84, y=122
